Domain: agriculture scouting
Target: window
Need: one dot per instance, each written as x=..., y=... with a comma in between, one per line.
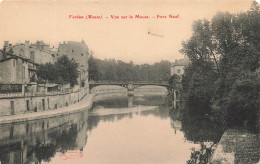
x=21, y=53
x=14, y=63
x=178, y=71
x=32, y=55
x=27, y=128
x=81, y=54
x=27, y=105
x=48, y=100
x=72, y=50
x=12, y=107
x=23, y=73
x=43, y=104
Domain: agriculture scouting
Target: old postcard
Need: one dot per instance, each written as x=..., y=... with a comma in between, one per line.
x=129, y=82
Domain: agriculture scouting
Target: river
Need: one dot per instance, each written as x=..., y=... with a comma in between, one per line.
x=117, y=129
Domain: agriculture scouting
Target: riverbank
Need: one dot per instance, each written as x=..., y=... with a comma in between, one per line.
x=84, y=104
x=237, y=147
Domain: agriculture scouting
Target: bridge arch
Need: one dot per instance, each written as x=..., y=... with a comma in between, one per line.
x=149, y=85
x=128, y=86
x=108, y=87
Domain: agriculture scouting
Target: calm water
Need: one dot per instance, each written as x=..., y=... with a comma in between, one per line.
x=118, y=129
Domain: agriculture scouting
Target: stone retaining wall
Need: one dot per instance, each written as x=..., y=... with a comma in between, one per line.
x=21, y=105
x=237, y=147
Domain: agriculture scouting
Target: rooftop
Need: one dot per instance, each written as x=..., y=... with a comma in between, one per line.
x=181, y=62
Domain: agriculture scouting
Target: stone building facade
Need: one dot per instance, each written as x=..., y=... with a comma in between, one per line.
x=41, y=53
x=80, y=53
x=178, y=66
x=38, y=52
x=18, y=66
x=18, y=62
x=15, y=69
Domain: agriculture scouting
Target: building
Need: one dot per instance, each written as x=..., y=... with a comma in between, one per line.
x=18, y=62
x=178, y=66
x=16, y=69
x=41, y=53
x=79, y=52
x=38, y=52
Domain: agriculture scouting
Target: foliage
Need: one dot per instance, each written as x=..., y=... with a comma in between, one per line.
x=92, y=69
x=46, y=72
x=62, y=71
x=67, y=70
x=117, y=70
x=203, y=155
x=222, y=78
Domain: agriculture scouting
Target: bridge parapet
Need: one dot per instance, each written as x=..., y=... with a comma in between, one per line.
x=129, y=85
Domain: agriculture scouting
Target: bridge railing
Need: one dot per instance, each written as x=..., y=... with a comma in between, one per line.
x=129, y=82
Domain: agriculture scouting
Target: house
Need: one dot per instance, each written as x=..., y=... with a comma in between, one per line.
x=41, y=53
x=179, y=65
x=38, y=52
x=18, y=62
x=16, y=69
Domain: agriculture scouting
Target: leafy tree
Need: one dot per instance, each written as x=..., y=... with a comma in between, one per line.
x=117, y=70
x=46, y=72
x=222, y=79
x=92, y=69
x=65, y=70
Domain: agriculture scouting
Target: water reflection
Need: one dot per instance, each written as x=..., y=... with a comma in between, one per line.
x=39, y=141
x=118, y=129
x=130, y=101
x=200, y=129
x=110, y=108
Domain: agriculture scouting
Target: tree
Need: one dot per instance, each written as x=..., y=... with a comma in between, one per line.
x=65, y=70
x=46, y=72
x=225, y=57
x=93, y=73
x=117, y=70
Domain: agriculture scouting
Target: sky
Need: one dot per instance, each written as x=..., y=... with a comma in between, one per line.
x=139, y=40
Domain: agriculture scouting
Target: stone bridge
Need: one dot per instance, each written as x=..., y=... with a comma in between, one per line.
x=129, y=85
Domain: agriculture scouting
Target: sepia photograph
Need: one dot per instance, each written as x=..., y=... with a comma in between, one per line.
x=129, y=82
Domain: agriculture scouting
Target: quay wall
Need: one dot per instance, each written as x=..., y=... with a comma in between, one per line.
x=237, y=146
x=28, y=129
x=29, y=104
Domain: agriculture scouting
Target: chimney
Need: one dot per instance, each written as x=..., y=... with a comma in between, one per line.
x=26, y=43
x=6, y=43
x=38, y=45
x=26, y=48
